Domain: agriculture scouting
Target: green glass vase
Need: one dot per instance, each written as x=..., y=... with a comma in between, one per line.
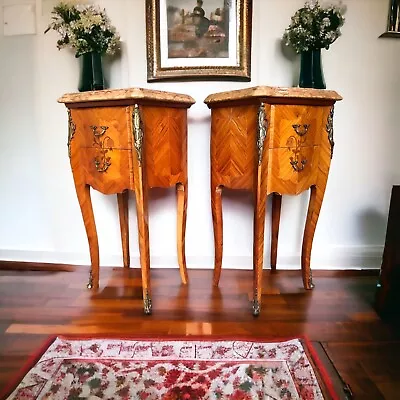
x=311, y=73
x=91, y=72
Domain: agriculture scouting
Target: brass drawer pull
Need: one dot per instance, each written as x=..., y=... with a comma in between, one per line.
x=295, y=164
x=101, y=133
x=294, y=146
x=102, y=162
x=301, y=130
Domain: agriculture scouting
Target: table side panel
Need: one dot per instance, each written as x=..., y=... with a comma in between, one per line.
x=165, y=145
x=233, y=146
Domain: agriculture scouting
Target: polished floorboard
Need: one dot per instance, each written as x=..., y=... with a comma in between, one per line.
x=338, y=315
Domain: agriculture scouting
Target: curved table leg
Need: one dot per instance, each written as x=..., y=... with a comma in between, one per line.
x=85, y=202
x=143, y=237
x=258, y=247
x=123, y=199
x=276, y=216
x=216, y=206
x=182, y=195
x=141, y=188
x=314, y=207
x=143, y=227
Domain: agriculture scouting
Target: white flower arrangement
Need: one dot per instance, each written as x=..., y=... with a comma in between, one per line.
x=314, y=26
x=84, y=28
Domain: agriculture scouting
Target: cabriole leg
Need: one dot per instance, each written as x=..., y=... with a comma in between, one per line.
x=123, y=199
x=216, y=206
x=314, y=207
x=182, y=195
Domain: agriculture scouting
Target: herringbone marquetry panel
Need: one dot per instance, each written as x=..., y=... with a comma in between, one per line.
x=165, y=145
x=233, y=146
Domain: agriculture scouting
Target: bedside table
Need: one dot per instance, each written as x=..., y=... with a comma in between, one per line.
x=128, y=139
x=270, y=141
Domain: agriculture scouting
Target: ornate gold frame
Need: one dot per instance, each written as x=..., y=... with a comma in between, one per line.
x=240, y=72
x=393, y=24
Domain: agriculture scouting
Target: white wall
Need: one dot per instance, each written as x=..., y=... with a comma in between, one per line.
x=40, y=217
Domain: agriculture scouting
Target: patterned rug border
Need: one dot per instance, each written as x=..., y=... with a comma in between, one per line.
x=321, y=371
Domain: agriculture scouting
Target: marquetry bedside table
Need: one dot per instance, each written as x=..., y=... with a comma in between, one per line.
x=129, y=139
x=270, y=141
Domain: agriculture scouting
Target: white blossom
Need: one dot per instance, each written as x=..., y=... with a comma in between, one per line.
x=314, y=26
x=85, y=28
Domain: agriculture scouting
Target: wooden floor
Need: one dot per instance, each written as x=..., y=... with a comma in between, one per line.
x=338, y=313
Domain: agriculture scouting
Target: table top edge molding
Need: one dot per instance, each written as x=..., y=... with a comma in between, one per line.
x=273, y=93
x=139, y=94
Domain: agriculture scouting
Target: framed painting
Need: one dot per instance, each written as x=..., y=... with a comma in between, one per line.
x=393, y=26
x=198, y=39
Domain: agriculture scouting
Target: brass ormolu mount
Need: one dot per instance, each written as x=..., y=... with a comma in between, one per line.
x=104, y=144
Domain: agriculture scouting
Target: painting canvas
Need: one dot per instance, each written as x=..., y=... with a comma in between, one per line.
x=198, y=38
x=200, y=31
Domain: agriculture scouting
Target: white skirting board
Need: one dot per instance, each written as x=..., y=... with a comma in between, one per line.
x=336, y=257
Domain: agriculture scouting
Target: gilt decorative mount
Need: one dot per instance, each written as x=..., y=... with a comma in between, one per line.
x=295, y=163
x=301, y=130
x=294, y=144
x=71, y=132
x=147, y=304
x=262, y=131
x=137, y=132
x=104, y=143
x=329, y=129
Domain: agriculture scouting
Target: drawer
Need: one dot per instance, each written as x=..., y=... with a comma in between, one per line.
x=104, y=126
x=109, y=170
x=301, y=123
x=292, y=170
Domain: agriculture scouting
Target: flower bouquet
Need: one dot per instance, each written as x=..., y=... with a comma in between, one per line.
x=87, y=30
x=314, y=27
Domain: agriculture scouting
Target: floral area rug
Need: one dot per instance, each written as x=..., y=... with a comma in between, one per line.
x=73, y=369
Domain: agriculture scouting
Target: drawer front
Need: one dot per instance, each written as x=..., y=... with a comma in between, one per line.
x=291, y=171
x=304, y=124
x=233, y=146
x=102, y=126
x=109, y=171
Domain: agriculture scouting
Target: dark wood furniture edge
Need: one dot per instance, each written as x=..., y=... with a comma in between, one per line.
x=390, y=34
x=341, y=388
x=387, y=295
x=36, y=266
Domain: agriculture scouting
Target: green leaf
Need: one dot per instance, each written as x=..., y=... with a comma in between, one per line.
x=246, y=386
x=95, y=383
